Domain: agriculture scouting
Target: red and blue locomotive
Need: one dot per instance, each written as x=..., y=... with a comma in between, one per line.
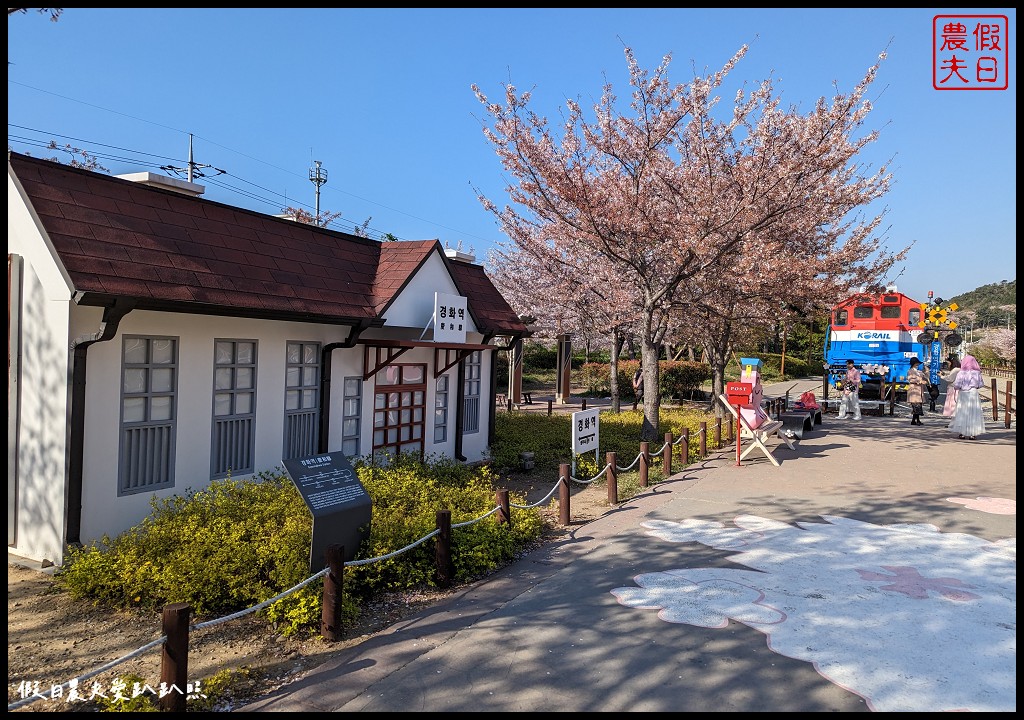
x=879, y=332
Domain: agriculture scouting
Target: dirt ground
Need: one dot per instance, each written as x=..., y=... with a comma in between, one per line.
x=52, y=638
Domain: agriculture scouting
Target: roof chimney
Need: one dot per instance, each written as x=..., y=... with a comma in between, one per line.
x=165, y=183
x=455, y=254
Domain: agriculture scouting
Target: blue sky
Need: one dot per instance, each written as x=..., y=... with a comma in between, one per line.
x=382, y=98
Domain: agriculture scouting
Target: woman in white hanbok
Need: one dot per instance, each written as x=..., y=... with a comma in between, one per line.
x=968, y=421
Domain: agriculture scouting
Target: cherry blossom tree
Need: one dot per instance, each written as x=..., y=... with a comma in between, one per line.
x=302, y=215
x=54, y=13
x=787, y=275
x=666, y=192
x=1002, y=343
x=538, y=284
x=79, y=158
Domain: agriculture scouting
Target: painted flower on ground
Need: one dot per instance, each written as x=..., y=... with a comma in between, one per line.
x=996, y=506
x=909, y=618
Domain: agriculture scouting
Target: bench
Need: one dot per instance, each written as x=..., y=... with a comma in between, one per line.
x=501, y=399
x=798, y=422
x=759, y=435
x=871, y=407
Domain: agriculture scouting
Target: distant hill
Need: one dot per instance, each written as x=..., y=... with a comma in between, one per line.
x=988, y=296
x=988, y=303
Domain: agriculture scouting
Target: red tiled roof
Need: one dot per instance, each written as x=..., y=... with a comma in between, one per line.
x=488, y=307
x=399, y=261
x=120, y=239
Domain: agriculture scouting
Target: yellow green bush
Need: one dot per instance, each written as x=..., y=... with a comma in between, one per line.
x=550, y=438
x=220, y=549
x=237, y=543
x=407, y=495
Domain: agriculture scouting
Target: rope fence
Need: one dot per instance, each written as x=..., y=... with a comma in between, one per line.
x=57, y=691
x=596, y=477
x=176, y=628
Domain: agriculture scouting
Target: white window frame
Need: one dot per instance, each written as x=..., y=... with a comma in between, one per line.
x=233, y=434
x=304, y=418
x=146, y=446
x=351, y=415
x=471, y=393
x=441, y=409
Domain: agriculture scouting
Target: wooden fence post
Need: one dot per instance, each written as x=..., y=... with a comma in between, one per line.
x=703, y=439
x=443, y=549
x=1009, y=402
x=563, y=493
x=644, y=459
x=334, y=590
x=505, y=511
x=584, y=407
x=718, y=433
x=174, y=656
x=995, y=401
x=549, y=407
x=684, y=453
x=612, y=478
x=666, y=456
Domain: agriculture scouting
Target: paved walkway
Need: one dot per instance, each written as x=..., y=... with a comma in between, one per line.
x=875, y=569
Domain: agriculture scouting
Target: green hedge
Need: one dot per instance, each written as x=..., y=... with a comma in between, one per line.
x=236, y=543
x=549, y=438
x=795, y=367
x=679, y=378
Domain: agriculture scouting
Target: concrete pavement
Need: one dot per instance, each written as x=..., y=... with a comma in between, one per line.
x=875, y=569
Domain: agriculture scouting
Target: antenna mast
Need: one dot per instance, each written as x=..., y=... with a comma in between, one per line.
x=317, y=176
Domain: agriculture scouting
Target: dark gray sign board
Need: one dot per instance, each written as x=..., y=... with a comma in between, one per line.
x=339, y=503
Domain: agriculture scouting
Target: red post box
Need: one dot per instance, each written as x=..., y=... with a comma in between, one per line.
x=739, y=393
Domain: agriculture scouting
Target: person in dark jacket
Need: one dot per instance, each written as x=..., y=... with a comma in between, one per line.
x=638, y=386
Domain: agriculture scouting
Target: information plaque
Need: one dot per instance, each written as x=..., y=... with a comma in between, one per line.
x=340, y=505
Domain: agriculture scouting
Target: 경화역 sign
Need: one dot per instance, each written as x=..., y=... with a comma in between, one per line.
x=584, y=431
x=340, y=505
x=450, y=318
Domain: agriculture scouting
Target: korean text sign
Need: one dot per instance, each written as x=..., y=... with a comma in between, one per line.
x=451, y=318
x=585, y=431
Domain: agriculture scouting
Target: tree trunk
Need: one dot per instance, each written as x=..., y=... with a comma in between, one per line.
x=613, y=367
x=718, y=359
x=649, y=352
x=782, y=368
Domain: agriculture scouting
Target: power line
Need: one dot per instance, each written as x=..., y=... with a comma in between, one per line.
x=33, y=142
x=192, y=169
x=98, y=107
x=245, y=155
x=93, y=142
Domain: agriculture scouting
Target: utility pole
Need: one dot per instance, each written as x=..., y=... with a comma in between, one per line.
x=317, y=176
x=193, y=169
